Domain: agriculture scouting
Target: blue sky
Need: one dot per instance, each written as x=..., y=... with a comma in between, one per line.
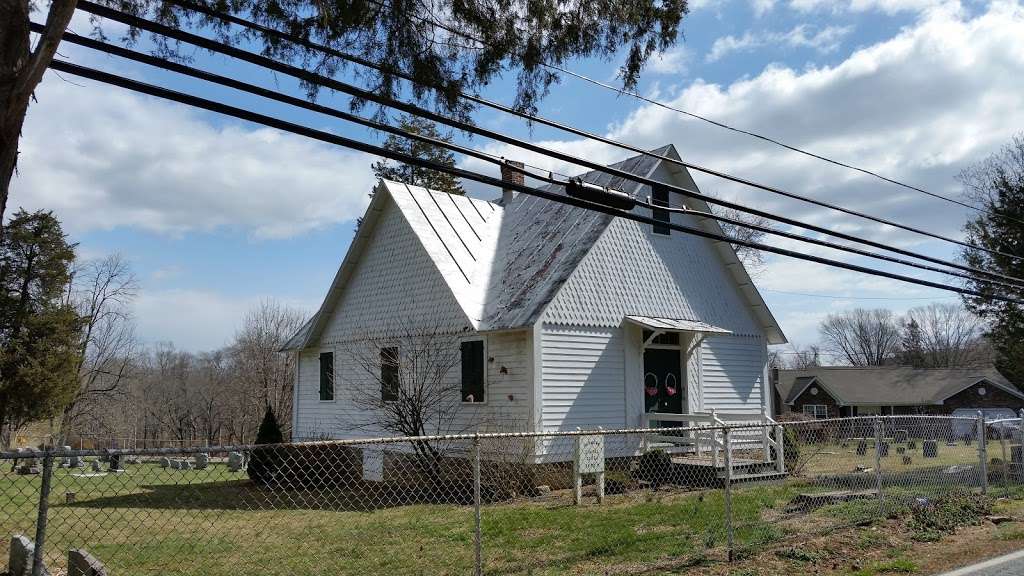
x=215, y=215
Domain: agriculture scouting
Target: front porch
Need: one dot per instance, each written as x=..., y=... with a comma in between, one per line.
x=718, y=446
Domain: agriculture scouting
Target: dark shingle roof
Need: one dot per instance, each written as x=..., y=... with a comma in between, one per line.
x=896, y=385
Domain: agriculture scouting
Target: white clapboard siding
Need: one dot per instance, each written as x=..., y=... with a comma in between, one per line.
x=732, y=369
x=583, y=372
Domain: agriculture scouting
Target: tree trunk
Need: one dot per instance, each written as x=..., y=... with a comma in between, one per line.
x=20, y=73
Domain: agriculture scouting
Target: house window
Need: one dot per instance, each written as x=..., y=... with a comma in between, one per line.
x=326, y=376
x=389, y=374
x=473, y=372
x=818, y=411
x=659, y=197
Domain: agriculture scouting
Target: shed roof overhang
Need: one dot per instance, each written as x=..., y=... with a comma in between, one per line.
x=675, y=325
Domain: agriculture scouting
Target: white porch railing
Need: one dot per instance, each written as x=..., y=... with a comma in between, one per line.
x=704, y=436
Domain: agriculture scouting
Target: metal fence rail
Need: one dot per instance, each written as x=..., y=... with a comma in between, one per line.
x=582, y=502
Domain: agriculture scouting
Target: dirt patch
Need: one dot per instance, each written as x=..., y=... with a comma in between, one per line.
x=885, y=547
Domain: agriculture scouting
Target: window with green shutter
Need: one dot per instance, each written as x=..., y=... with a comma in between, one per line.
x=473, y=373
x=326, y=376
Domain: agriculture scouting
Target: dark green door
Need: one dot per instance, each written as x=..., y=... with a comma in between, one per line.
x=664, y=387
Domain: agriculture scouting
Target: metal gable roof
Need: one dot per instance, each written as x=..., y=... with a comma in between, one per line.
x=540, y=244
x=504, y=263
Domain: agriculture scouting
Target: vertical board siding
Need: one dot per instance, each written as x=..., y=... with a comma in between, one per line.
x=733, y=373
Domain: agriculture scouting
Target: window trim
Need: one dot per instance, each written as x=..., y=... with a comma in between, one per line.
x=815, y=414
x=462, y=399
x=397, y=364
x=334, y=378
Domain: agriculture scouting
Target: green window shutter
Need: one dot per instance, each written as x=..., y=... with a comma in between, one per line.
x=327, y=376
x=473, y=371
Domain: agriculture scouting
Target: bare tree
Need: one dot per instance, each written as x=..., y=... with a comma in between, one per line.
x=943, y=336
x=406, y=384
x=862, y=337
x=804, y=358
x=266, y=374
x=741, y=230
x=102, y=292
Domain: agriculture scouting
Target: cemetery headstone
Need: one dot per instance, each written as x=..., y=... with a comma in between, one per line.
x=911, y=445
x=883, y=449
x=906, y=460
x=165, y=462
x=900, y=449
x=202, y=460
x=66, y=461
x=862, y=447
x=81, y=563
x=900, y=436
x=930, y=449
x=97, y=466
x=115, y=462
x=236, y=461
x=175, y=464
x=19, y=562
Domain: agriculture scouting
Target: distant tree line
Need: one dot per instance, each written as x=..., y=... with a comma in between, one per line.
x=69, y=353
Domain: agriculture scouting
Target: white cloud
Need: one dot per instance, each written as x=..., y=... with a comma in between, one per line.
x=885, y=6
x=103, y=158
x=675, y=61
x=826, y=40
x=919, y=107
x=194, y=320
x=762, y=7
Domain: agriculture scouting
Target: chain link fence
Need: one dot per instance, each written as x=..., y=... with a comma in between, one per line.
x=609, y=502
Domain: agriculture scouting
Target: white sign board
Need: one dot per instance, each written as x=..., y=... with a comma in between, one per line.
x=373, y=465
x=589, y=457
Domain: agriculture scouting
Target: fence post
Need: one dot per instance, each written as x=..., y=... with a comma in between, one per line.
x=477, y=536
x=780, y=449
x=1006, y=463
x=728, y=492
x=982, y=453
x=44, y=507
x=878, y=466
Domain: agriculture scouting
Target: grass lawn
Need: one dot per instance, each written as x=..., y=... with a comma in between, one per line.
x=150, y=520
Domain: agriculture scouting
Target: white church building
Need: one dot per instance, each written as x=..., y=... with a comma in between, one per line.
x=567, y=318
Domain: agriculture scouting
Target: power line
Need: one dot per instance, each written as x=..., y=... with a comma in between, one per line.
x=283, y=125
x=637, y=95
x=229, y=18
x=358, y=92
x=838, y=297
x=297, y=102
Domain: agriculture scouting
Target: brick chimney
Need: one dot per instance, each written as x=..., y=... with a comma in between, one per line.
x=512, y=176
